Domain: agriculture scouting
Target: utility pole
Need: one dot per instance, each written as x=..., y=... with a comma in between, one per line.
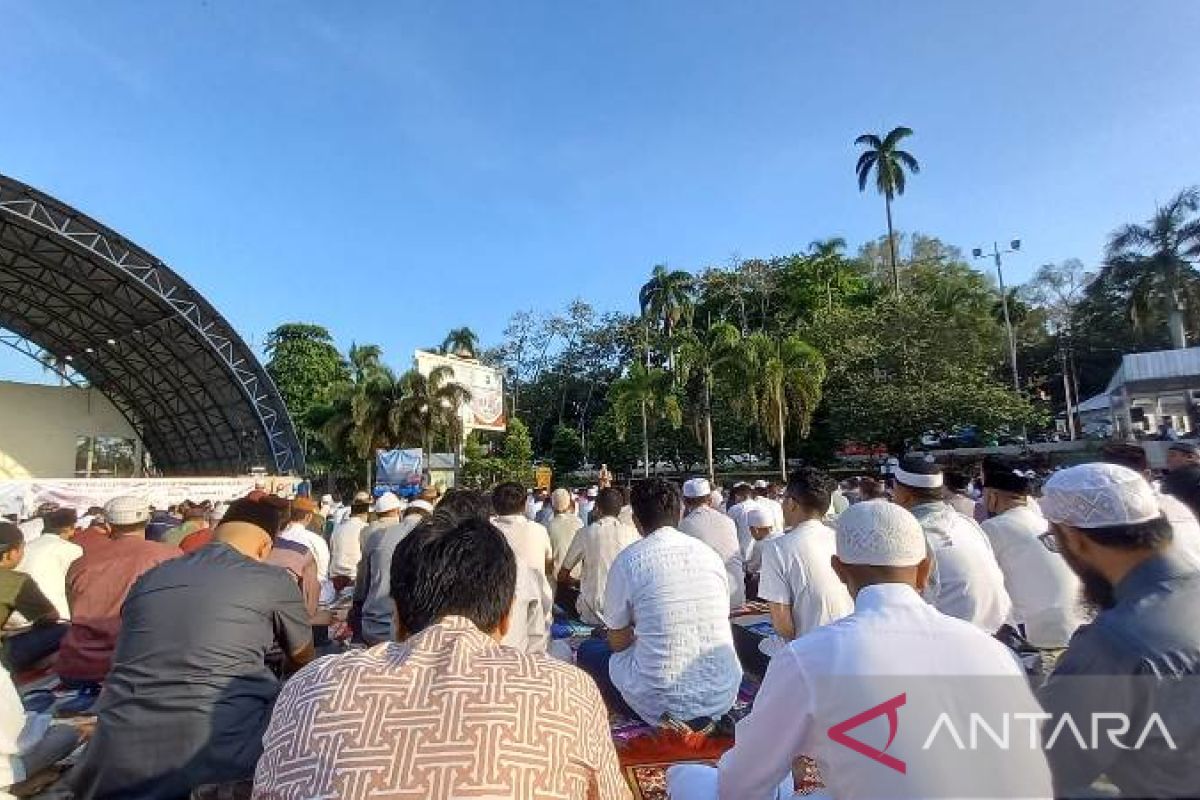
x=1012, y=336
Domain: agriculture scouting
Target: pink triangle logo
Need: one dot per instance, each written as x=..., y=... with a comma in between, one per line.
x=838, y=733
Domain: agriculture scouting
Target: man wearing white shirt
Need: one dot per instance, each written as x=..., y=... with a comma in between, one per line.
x=765, y=494
x=593, y=550
x=345, y=544
x=797, y=577
x=529, y=540
x=669, y=653
x=817, y=686
x=741, y=500
x=1045, y=592
x=760, y=522
x=965, y=581
x=297, y=531
x=1185, y=529
x=47, y=558
x=702, y=521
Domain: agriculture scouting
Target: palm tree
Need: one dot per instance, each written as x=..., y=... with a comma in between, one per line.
x=1156, y=260
x=667, y=299
x=888, y=163
x=430, y=405
x=827, y=261
x=376, y=413
x=711, y=354
x=788, y=374
x=462, y=342
x=647, y=391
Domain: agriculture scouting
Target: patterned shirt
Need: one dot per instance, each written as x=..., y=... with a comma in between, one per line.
x=446, y=713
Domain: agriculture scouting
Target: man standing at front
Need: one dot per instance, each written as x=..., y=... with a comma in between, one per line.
x=669, y=654
x=796, y=577
x=718, y=531
x=1141, y=655
x=964, y=581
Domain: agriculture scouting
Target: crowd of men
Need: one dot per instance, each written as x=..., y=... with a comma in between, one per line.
x=190, y=637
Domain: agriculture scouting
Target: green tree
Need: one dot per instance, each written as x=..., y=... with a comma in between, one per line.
x=480, y=469
x=428, y=407
x=649, y=394
x=1155, y=261
x=461, y=342
x=888, y=162
x=517, y=454
x=566, y=450
x=785, y=388
x=306, y=368
x=709, y=355
x=666, y=299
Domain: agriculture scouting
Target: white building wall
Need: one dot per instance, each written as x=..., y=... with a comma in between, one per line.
x=39, y=427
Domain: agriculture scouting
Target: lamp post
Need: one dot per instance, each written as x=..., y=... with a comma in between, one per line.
x=1015, y=246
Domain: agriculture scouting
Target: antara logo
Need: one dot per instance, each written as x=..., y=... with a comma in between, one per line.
x=838, y=733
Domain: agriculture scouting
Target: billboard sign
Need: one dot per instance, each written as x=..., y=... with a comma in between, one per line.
x=485, y=411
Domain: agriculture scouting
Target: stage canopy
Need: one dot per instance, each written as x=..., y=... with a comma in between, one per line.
x=116, y=316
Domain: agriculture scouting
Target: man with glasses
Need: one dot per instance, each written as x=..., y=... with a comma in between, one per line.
x=1140, y=657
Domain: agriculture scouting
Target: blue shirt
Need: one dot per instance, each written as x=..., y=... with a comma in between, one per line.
x=1139, y=658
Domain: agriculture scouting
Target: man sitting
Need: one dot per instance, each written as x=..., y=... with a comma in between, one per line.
x=19, y=593
x=96, y=588
x=965, y=581
x=372, y=584
x=797, y=578
x=444, y=711
x=1141, y=655
x=47, y=558
x=702, y=521
x=669, y=652
x=345, y=543
x=894, y=645
x=597, y=546
x=529, y=540
x=190, y=694
x=298, y=530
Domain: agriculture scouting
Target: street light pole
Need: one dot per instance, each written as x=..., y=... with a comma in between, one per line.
x=1012, y=336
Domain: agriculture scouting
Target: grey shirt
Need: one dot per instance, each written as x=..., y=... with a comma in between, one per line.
x=189, y=695
x=376, y=586
x=1138, y=658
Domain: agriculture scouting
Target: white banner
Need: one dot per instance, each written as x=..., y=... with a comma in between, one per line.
x=22, y=497
x=486, y=384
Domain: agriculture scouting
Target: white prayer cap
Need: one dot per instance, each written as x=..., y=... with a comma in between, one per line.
x=560, y=499
x=879, y=534
x=423, y=505
x=919, y=472
x=361, y=497
x=327, y=499
x=387, y=502
x=127, y=510
x=715, y=497
x=697, y=487
x=760, y=484
x=1098, y=496
x=759, y=518
x=593, y=491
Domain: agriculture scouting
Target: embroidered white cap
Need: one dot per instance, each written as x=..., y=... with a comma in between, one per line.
x=1098, y=496
x=387, y=502
x=880, y=534
x=759, y=518
x=127, y=510
x=697, y=487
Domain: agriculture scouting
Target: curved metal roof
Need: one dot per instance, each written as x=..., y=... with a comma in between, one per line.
x=185, y=380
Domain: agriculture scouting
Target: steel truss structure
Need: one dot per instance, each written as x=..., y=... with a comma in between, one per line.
x=133, y=329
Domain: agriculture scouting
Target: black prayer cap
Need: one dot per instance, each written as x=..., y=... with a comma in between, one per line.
x=1008, y=475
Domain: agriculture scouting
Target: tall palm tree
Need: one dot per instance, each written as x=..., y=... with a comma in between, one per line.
x=461, y=342
x=430, y=406
x=667, y=300
x=888, y=162
x=1156, y=259
x=788, y=373
x=645, y=391
x=711, y=354
x=375, y=410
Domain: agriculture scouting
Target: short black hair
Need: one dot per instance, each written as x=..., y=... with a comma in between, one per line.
x=656, y=503
x=267, y=512
x=60, y=518
x=739, y=493
x=11, y=537
x=463, y=503
x=461, y=566
x=1125, y=454
x=924, y=494
x=1149, y=535
x=811, y=488
x=609, y=502
x=509, y=498
x=956, y=480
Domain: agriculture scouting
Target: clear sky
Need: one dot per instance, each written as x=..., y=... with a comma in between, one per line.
x=395, y=169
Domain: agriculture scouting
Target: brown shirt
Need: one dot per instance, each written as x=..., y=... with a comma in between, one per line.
x=97, y=584
x=299, y=562
x=447, y=713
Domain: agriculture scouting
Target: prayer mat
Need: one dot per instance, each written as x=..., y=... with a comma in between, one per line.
x=649, y=781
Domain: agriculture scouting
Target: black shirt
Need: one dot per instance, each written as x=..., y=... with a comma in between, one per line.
x=189, y=695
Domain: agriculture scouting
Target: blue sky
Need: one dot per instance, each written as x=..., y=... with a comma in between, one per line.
x=392, y=170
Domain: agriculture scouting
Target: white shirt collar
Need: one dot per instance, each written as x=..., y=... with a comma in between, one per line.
x=880, y=596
